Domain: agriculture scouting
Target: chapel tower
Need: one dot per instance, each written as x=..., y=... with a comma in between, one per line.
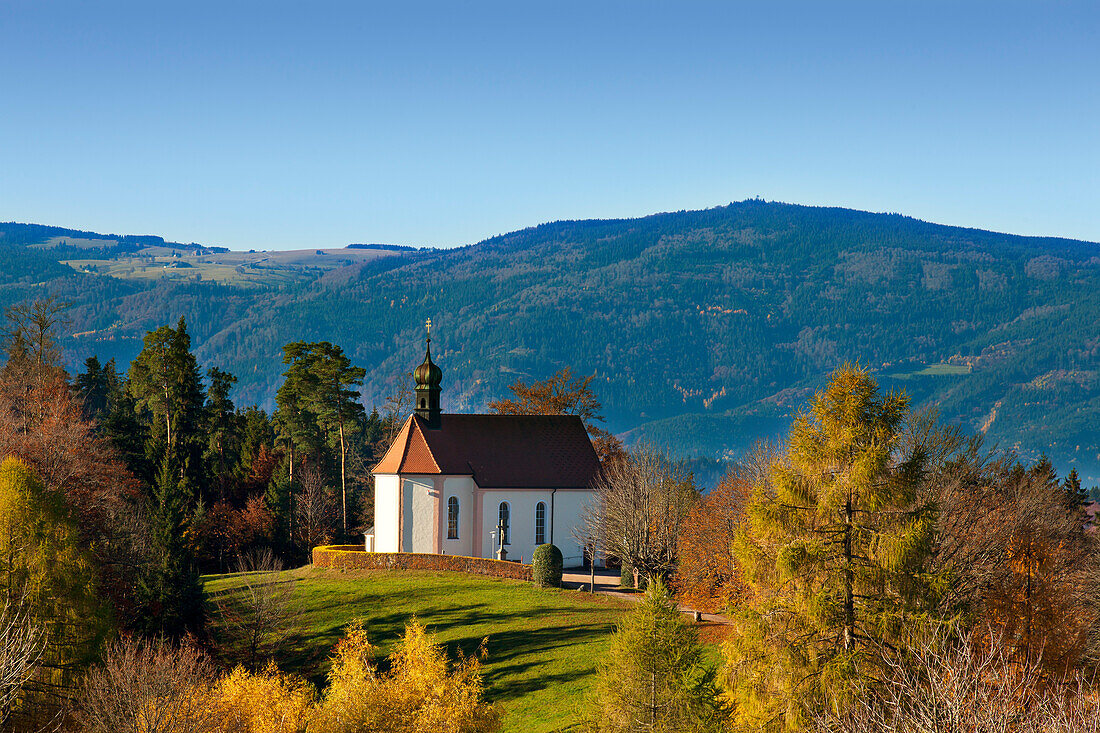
x=428, y=377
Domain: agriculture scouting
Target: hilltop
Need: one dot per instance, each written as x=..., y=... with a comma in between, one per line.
x=704, y=328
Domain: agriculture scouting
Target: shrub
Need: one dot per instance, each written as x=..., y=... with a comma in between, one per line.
x=626, y=576
x=546, y=566
x=267, y=702
x=422, y=691
x=149, y=687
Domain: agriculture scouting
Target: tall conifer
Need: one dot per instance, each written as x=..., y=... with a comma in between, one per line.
x=170, y=589
x=835, y=552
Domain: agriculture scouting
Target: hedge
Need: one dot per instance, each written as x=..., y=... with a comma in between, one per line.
x=353, y=557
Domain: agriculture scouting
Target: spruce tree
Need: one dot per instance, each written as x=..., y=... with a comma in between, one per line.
x=654, y=678
x=170, y=588
x=223, y=430
x=166, y=385
x=835, y=554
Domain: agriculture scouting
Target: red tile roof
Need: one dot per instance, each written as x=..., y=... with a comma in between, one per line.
x=499, y=451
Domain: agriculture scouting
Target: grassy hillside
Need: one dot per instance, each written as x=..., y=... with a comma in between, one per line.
x=543, y=645
x=705, y=329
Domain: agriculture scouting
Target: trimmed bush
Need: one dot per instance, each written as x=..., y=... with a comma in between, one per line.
x=626, y=576
x=546, y=566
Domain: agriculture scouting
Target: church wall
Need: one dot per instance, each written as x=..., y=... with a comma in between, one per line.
x=569, y=513
x=464, y=488
x=386, y=503
x=522, y=509
x=421, y=519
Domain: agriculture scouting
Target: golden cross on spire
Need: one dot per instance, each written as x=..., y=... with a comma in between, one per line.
x=428, y=326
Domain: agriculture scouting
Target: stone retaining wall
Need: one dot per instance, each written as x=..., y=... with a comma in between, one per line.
x=353, y=557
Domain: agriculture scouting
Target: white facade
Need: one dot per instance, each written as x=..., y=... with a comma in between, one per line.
x=417, y=509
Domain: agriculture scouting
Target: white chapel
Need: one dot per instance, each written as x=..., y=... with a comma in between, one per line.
x=474, y=485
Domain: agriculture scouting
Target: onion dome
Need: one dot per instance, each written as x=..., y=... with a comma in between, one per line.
x=428, y=375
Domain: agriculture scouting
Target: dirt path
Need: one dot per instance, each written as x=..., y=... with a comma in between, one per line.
x=607, y=583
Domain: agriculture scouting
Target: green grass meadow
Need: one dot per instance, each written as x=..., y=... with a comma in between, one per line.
x=543, y=645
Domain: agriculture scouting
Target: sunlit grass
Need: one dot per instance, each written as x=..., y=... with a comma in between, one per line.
x=543, y=645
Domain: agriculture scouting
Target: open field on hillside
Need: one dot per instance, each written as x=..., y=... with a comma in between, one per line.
x=543, y=645
x=934, y=370
x=239, y=268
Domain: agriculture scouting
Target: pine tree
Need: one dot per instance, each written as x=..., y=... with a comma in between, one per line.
x=94, y=386
x=165, y=382
x=338, y=408
x=1076, y=496
x=654, y=678
x=295, y=420
x=835, y=553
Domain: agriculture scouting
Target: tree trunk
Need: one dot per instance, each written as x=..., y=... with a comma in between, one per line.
x=168, y=416
x=343, y=482
x=849, y=601
x=592, y=587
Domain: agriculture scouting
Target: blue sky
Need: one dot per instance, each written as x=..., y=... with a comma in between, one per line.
x=307, y=124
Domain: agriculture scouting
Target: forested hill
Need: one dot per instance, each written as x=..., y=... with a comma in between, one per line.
x=705, y=329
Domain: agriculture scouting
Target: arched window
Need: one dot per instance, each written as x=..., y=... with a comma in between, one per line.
x=540, y=523
x=452, y=518
x=505, y=524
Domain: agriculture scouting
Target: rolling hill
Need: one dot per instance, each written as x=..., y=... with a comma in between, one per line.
x=705, y=329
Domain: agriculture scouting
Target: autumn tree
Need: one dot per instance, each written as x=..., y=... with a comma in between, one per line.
x=75, y=461
x=268, y=701
x=1018, y=557
x=22, y=643
x=421, y=691
x=563, y=394
x=313, y=510
x=31, y=340
x=639, y=508
x=260, y=614
x=47, y=577
x=707, y=573
x=835, y=555
x=654, y=677
x=149, y=687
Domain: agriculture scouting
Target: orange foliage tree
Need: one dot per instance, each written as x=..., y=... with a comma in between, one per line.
x=1020, y=559
x=707, y=576
x=563, y=394
x=43, y=424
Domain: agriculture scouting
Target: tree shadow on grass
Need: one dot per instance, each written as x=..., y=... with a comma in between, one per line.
x=514, y=647
x=515, y=657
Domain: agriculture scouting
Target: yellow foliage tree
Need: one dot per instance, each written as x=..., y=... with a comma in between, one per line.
x=48, y=576
x=266, y=702
x=422, y=692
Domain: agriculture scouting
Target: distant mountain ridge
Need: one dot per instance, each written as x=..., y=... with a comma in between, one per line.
x=705, y=329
